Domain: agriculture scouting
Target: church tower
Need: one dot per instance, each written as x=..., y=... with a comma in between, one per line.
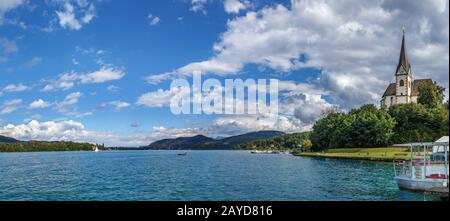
x=405, y=90
x=403, y=76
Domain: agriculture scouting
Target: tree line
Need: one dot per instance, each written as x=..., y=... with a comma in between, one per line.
x=369, y=126
x=281, y=142
x=37, y=146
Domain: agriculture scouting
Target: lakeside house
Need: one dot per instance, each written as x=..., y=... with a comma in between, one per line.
x=405, y=89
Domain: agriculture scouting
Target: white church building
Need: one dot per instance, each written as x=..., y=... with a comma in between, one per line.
x=405, y=89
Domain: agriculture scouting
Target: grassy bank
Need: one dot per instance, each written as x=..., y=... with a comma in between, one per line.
x=387, y=154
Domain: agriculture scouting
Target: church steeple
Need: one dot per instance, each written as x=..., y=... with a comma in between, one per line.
x=404, y=61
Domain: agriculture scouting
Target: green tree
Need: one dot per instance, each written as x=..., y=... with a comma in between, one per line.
x=363, y=127
x=306, y=145
x=417, y=123
x=366, y=127
x=430, y=94
x=324, y=131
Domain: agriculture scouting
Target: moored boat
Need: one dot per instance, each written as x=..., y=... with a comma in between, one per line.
x=427, y=169
x=265, y=152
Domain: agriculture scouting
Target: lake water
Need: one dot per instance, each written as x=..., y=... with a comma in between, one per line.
x=200, y=175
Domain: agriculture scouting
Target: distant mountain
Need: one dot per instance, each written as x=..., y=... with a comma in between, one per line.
x=4, y=139
x=189, y=143
x=201, y=142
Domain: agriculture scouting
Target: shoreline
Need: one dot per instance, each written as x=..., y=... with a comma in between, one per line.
x=318, y=155
x=386, y=154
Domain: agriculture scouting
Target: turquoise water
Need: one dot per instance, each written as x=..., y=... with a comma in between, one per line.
x=201, y=175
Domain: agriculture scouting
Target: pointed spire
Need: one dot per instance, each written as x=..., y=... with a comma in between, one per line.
x=403, y=61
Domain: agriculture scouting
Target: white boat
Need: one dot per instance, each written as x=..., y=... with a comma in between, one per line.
x=265, y=152
x=95, y=149
x=426, y=170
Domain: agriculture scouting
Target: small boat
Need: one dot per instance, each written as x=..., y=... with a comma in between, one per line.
x=182, y=154
x=95, y=149
x=427, y=168
x=265, y=152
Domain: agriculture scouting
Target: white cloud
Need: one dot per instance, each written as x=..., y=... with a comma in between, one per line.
x=305, y=107
x=68, y=105
x=354, y=43
x=161, y=98
x=10, y=106
x=7, y=5
x=153, y=20
x=113, y=88
x=74, y=17
x=120, y=104
x=198, y=6
x=68, y=130
x=235, y=6
x=68, y=80
x=103, y=75
x=15, y=88
x=39, y=104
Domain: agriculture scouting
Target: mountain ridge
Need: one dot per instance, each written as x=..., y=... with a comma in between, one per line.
x=4, y=139
x=201, y=142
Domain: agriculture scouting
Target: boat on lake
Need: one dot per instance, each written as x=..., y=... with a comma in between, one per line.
x=182, y=154
x=265, y=152
x=427, y=169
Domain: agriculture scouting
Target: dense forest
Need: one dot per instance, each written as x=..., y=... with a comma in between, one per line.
x=37, y=146
x=369, y=126
x=285, y=141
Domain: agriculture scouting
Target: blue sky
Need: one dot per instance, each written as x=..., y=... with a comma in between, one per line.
x=79, y=69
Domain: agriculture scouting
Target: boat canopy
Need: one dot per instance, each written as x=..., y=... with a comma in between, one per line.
x=440, y=146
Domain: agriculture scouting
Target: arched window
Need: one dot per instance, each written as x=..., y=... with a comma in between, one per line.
x=392, y=100
x=402, y=83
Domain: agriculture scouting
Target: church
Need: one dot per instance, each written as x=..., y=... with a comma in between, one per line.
x=405, y=89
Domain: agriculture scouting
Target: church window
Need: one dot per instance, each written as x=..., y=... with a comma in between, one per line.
x=402, y=83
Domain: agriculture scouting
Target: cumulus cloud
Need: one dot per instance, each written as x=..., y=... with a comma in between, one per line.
x=161, y=98
x=120, y=104
x=69, y=105
x=235, y=6
x=68, y=80
x=68, y=130
x=75, y=16
x=305, y=107
x=39, y=104
x=10, y=106
x=355, y=44
x=103, y=75
x=15, y=88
